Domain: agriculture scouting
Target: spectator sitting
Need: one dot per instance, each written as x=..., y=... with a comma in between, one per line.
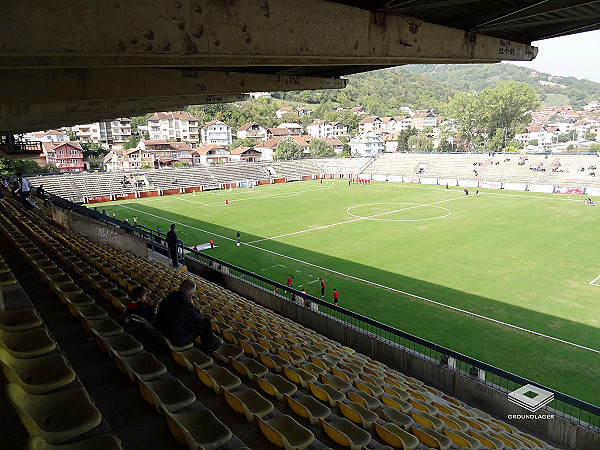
x=181, y=322
x=139, y=309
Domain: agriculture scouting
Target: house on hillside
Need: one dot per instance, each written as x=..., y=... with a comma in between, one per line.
x=337, y=145
x=247, y=154
x=216, y=132
x=67, y=156
x=269, y=147
x=323, y=129
x=359, y=110
x=285, y=110
x=156, y=153
x=390, y=142
x=210, y=154
x=179, y=126
x=370, y=124
x=423, y=119
x=277, y=133
x=48, y=136
x=368, y=145
x=295, y=129
x=303, y=111
x=254, y=131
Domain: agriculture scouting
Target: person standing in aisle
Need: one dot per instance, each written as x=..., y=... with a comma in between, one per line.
x=172, y=244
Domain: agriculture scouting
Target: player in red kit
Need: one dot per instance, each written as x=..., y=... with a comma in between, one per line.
x=322, y=287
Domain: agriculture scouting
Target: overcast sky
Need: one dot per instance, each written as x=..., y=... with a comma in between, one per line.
x=575, y=55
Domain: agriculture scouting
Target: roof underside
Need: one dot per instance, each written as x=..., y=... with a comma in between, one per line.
x=161, y=56
x=518, y=20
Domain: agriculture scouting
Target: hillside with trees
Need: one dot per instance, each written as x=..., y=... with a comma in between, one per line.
x=476, y=77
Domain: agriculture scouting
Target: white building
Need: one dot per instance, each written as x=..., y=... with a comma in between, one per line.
x=216, y=132
x=47, y=136
x=210, y=154
x=368, y=144
x=370, y=124
x=295, y=129
x=320, y=129
x=252, y=130
x=180, y=125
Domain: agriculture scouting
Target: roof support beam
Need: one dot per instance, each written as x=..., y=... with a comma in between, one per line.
x=42, y=97
x=235, y=33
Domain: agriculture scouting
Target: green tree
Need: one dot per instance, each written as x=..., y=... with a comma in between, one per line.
x=465, y=112
x=319, y=148
x=93, y=150
x=287, y=148
x=346, y=151
x=594, y=148
x=590, y=136
x=132, y=142
x=508, y=108
x=420, y=144
x=136, y=121
x=241, y=142
x=403, y=138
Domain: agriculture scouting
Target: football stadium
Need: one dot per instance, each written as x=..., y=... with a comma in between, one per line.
x=465, y=313
x=232, y=225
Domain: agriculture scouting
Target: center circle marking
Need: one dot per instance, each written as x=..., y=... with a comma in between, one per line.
x=410, y=206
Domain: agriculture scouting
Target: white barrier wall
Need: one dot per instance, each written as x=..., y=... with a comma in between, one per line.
x=569, y=190
x=395, y=179
x=490, y=185
x=411, y=180
x=364, y=176
x=468, y=183
x=379, y=178
x=515, y=186
x=450, y=181
x=549, y=189
x=592, y=191
x=429, y=181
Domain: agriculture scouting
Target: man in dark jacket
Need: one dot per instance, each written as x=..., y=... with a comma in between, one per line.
x=172, y=244
x=181, y=322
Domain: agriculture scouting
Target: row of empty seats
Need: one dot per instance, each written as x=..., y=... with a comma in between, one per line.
x=510, y=168
x=269, y=365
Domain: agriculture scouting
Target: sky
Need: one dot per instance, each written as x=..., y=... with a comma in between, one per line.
x=575, y=55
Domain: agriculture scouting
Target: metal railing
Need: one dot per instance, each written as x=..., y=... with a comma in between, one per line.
x=563, y=405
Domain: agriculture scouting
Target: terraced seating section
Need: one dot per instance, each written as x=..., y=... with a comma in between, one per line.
x=355, y=401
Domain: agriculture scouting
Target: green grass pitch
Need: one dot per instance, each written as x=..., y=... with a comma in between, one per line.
x=525, y=259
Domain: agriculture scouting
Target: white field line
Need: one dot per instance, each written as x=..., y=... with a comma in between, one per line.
x=260, y=197
x=353, y=220
x=551, y=196
x=525, y=330
x=464, y=311
x=593, y=282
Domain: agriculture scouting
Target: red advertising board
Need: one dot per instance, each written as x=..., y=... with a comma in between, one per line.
x=99, y=199
x=171, y=191
x=124, y=196
x=279, y=180
x=306, y=177
x=261, y=182
x=189, y=190
x=569, y=190
x=148, y=194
